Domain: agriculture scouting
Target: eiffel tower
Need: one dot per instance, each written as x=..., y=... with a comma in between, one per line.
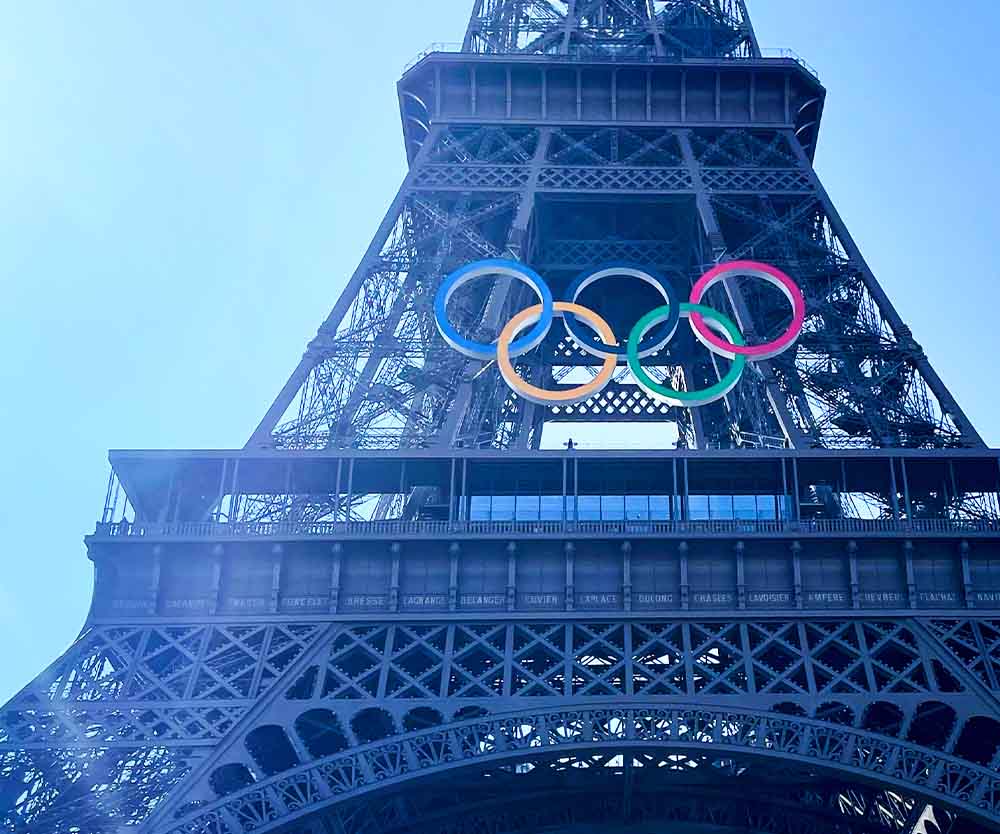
x=398, y=609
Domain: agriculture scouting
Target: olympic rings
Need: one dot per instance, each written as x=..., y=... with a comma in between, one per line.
x=650, y=334
x=671, y=396
x=539, y=395
x=758, y=270
x=512, y=269
x=658, y=282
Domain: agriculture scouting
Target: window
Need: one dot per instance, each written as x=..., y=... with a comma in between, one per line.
x=659, y=507
x=551, y=508
x=698, y=507
x=479, y=508
x=527, y=508
x=503, y=508
x=613, y=507
x=766, y=508
x=720, y=506
x=589, y=507
x=637, y=507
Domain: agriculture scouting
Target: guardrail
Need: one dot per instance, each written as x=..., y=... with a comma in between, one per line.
x=640, y=54
x=439, y=529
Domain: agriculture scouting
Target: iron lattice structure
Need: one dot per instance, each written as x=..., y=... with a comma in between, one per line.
x=392, y=611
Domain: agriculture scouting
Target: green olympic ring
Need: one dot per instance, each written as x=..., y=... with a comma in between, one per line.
x=688, y=399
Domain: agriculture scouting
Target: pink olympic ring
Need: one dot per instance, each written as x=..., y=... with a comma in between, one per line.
x=772, y=275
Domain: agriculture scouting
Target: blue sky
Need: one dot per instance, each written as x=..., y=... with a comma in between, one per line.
x=184, y=188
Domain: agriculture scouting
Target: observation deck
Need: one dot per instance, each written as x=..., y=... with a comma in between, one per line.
x=634, y=88
x=340, y=532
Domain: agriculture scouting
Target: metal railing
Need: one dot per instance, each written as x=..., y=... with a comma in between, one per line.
x=437, y=529
x=791, y=55
x=631, y=55
x=430, y=49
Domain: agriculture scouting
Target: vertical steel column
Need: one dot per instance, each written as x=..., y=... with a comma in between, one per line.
x=906, y=490
x=893, y=490
x=451, y=492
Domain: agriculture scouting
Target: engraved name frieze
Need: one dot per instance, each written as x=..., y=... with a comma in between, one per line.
x=881, y=596
x=713, y=597
x=482, y=600
x=185, y=604
x=540, y=600
x=654, y=598
x=826, y=597
x=598, y=600
x=132, y=605
x=425, y=601
x=937, y=596
x=769, y=596
x=366, y=601
x=246, y=603
x=305, y=602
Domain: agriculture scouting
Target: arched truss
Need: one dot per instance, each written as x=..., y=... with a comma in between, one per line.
x=524, y=738
x=602, y=799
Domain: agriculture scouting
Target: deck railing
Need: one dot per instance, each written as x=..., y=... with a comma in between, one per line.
x=633, y=54
x=439, y=529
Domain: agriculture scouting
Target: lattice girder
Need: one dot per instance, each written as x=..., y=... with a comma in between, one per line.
x=588, y=734
x=675, y=28
x=852, y=676
x=110, y=728
x=382, y=378
x=647, y=131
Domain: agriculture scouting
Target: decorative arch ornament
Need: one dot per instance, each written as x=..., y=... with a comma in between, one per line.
x=856, y=755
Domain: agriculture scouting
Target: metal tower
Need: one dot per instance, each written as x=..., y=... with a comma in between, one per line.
x=393, y=611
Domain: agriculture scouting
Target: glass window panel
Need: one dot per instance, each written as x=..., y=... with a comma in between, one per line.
x=479, y=509
x=766, y=507
x=637, y=507
x=571, y=507
x=527, y=508
x=720, y=506
x=551, y=508
x=613, y=507
x=659, y=507
x=785, y=503
x=589, y=507
x=503, y=508
x=745, y=507
x=698, y=507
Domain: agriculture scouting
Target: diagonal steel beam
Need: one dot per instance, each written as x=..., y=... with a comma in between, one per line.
x=261, y=436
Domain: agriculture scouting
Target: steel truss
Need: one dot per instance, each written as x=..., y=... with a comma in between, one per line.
x=378, y=375
x=240, y=688
x=617, y=802
x=268, y=720
x=625, y=28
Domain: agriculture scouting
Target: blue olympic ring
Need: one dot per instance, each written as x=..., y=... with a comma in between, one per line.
x=653, y=341
x=496, y=266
